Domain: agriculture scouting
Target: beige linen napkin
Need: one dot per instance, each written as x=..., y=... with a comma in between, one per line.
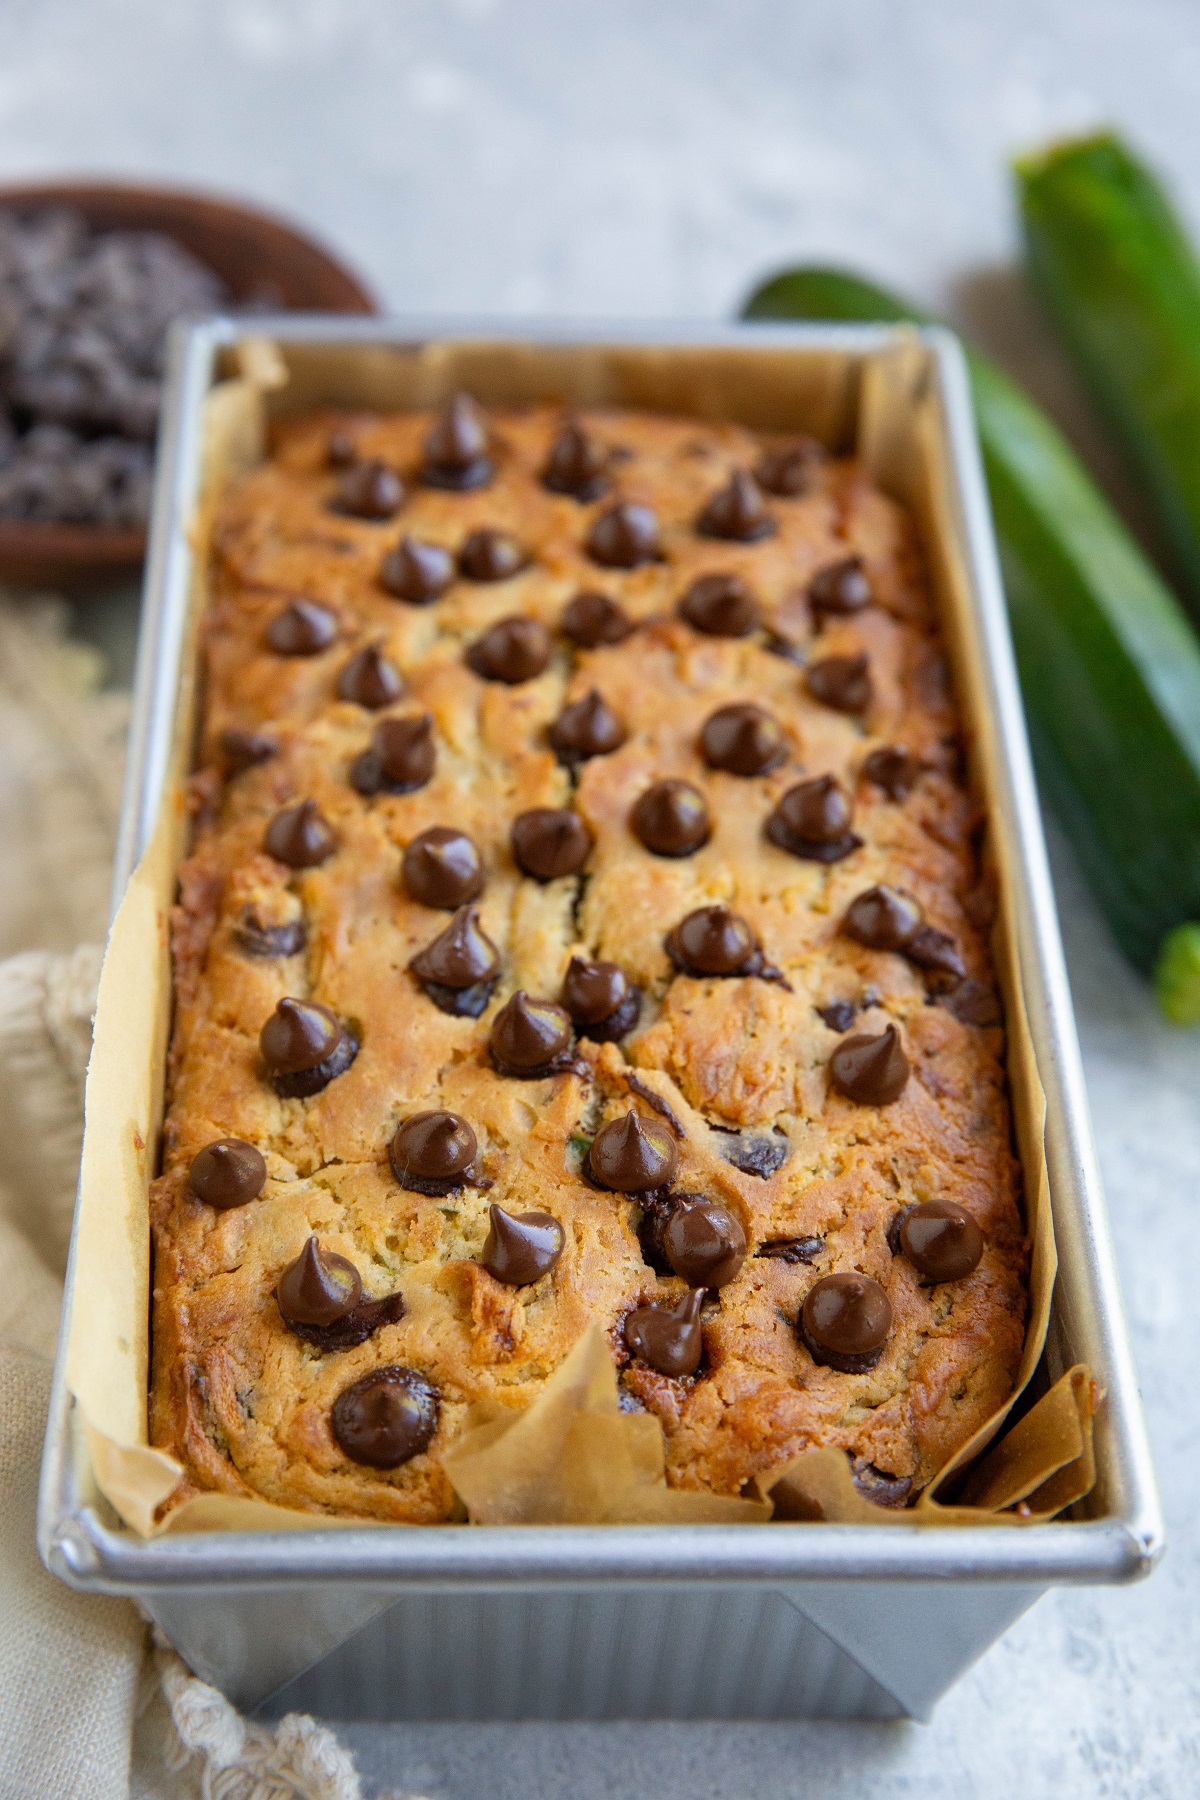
x=90, y=1707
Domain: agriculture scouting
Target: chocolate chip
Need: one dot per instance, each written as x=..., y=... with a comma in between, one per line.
x=633, y=1155
x=461, y=956
x=400, y=759
x=812, y=821
x=530, y=1038
x=841, y=588
x=841, y=682
x=882, y=918
x=838, y=1015
x=370, y=680
x=792, y=1250
x=441, y=868
x=586, y=728
x=775, y=644
x=941, y=1240
x=624, y=536
x=341, y=450
x=302, y=629
x=489, y=555
x=300, y=836
x=894, y=770
x=760, y=1156
x=257, y=939
x=935, y=951
x=720, y=606
x=601, y=999
x=550, y=841
x=369, y=490
x=512, y=650
x=737, y=511
x=416, y=572
x=877, y=1486
x=386, y=1417
x=432, y=1153
x=521, y=1247
x=592, y=619
x=704, y=1242
x=714, y=940
x=671, y=818
x=577, y=465
x=791, y=469
x=873, y=1071
x=668, y=1339
x=227, y=1173
x=974, y=1003
x=845, y=1321
x=319, y=1287
x=305, y=1046
x=241, y=750
x=456, y=448
x=743, y=740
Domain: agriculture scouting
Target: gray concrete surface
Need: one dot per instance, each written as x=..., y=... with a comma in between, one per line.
x=643, y=158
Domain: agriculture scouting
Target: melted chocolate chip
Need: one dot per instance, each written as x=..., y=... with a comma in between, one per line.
x=432, y=1153
x=370, y=680
x=743, y=740
x=840, y=682
x=838, y=1015
x=714, y=940
x=624, y=536
x=671, y=818
x=416, y=572
x=341, y=450
x=720, y=606
x=844, y=1322
x=812, y=821
x=302, y=629
x=791, y=469
x=512, y=650
x=877, y=1486
x=530, y=1038
x=586, y=728
x=256, y=939
x=841, y=588
x=704, y=1242
x=775, y=644
x=241, y=750
x=456, y=448
x=894, y=770
x=300, y=836
x=592, y=619
x=521, y=1247
x=360, y=1323
x=759, y=1156
x=651, y=1213
x=550, y=841
x=386, y=1417
x=305, y=1046
x=400, y=759
x=941, y=1240
x=737, y=511
x=792, y=1250
x=459, y=957
x=668, y=1339
x=873, y=1071
x=577, y=465
x=318, y=1288
x=489, y=555
x=632, y=1155
x=935, y=951
x=227, y=1173
x=882, y=918
x=974, y=1003
x=441, y=868
x=369, y=490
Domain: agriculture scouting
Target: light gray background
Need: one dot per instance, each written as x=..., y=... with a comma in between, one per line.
x=649, y=157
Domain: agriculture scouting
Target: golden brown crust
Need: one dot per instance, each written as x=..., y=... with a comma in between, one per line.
x=243, y=1402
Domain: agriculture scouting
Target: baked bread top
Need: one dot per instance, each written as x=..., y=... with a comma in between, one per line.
x=801, y=1020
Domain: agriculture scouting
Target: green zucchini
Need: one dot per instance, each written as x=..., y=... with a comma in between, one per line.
x=1109, y=666
x=1115, y=270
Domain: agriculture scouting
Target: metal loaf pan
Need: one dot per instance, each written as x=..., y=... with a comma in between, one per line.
x=782, y=1621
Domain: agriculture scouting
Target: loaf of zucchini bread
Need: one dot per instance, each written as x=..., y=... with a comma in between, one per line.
x=584, y=924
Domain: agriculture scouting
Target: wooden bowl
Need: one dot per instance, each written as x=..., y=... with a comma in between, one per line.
x=257, y=256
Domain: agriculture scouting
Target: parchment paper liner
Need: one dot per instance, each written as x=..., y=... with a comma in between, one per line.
x=573, y=1456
